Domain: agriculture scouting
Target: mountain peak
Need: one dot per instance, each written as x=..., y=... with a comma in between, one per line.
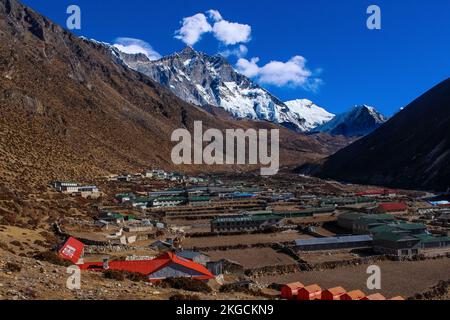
x=188, y=49
x=372, y=111
x=411, y=151
x=359, y=121
x=313, y=114
x=210, y=80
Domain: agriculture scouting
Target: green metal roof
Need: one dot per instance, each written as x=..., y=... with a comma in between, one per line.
x=392, y=236
x=124, y=195
x=427, y=238
x=382, y=228
x=378, y=217
x=410, y=226
x=304, y=212
x=194, y=199
x=141, y=199
x=170, y=199
x=375, y=218
x=244, y=218
x=352, y=215
x=396, y=226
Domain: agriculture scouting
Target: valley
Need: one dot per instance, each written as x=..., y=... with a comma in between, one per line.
x=115, y=183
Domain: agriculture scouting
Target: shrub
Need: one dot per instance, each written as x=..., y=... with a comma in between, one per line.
x=12, y=267
x=16, y=243
x=53, y=258
x=5, y=247
x=122, y=275
x=187, y=284
x=114, y=275
x=41, y=243
x=231, y=288
x=136, y=277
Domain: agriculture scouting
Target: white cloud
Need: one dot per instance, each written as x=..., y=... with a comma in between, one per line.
x=313, y=84
x=231, y=33
x=228, y=33
x=133, y=46
x=232, y=36
x=215, y=15
x=248, y=68
x=291, y=73
x=193, y=28
x=240, y=52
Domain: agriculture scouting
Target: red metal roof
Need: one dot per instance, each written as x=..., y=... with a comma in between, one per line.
x=333, y=293
x=353, y=295
x=294, y=285
x=392, y=206
x=310, y=292
x=71, y=250
x=290, y=290
x=147, y=267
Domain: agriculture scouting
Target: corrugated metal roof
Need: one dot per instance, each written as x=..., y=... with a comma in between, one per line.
x=427, y=238
x=242, y=218
x=393, y=236
x=147, y=267
x=331, y=240
x=398, y=226
x=351, y=215
x=188, y=254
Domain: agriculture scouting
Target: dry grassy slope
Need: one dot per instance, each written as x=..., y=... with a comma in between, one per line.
x=69, y=111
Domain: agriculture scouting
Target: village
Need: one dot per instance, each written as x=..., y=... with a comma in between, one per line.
x=284, y=237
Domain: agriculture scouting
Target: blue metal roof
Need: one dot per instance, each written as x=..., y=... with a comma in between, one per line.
x=332, y=240
x=188, y=254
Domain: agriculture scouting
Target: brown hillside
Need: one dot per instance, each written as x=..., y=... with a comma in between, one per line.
x=69, y=110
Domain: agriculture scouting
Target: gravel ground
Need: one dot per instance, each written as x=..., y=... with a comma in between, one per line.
x=243, y=239
x=253, y=258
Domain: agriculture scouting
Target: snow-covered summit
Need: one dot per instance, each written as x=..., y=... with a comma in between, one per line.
x=206, y=80
x=312, y=114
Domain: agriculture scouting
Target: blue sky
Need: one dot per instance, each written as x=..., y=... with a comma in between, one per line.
x=386, y=68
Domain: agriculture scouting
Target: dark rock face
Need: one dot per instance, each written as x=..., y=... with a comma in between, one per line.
x=412, y=150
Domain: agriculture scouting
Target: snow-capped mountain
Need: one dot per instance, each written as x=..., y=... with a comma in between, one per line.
x=206, y=80
x=313, y=115
x=359, y=121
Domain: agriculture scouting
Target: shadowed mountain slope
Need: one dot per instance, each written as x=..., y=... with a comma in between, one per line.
x=411, y=150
